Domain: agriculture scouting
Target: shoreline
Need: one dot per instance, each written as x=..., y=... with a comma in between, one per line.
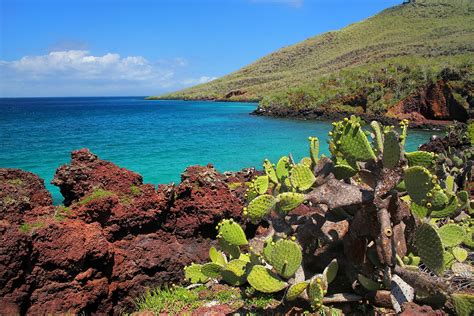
x=320, y=115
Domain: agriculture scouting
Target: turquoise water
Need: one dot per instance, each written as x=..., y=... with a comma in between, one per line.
x=157, y=139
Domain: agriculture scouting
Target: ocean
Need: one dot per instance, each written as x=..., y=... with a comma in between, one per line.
x=157, y=139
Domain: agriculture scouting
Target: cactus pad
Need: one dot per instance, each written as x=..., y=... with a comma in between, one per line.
x=270, y=171
x=368, y=284
x=301, y=177
x=418, y=182
x=295, y=290
x=217, y=257
x=464, y=304
x=314, y=149
x=330, y=271
x=430, y=247
x=263, y=280
x=418, y=210
x=212, y=270
x=439, y=200
x=306, y=161
x=378, y=137
x=260, y=207
x=283, y=168
x=235, y=272
x=342, y=171
x=451, y=235
x=448, y=259
x=391, y=150
x=421, y=158
x=232, y=233
x=285, y=257
x=449, y=210
x=460, y=254
x=349, y=139
x=232, y=250
x=261, y=184
x=288, y=201
x=193, y=274
x=315, y=293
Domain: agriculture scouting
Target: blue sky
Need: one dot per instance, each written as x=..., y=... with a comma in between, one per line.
x=146, y=47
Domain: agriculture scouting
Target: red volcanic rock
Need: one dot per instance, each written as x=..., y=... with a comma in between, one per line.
x=202, y=199
x=87, y=172
x=436, y=102
x=413, y=309
x=20, y=192
x=116, y=237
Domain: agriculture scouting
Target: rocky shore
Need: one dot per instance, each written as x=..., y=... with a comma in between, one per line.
x=114, y=237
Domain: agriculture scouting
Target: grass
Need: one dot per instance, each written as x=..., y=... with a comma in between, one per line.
x=60, y=212
x=28, y=228
x=96, y=194
x=435, y=32
x=177, y=299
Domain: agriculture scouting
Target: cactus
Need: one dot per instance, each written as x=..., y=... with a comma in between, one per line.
x=350, y=140
x=378, y=136
x=368, y=284
x=306, y=161
x=235, y=272
x=217, y=257
x=283, y=168
x=449, y=210
x=270, y=171
x=316, y=292
x=419, y=210
x=460, y=254
x=421, y=158
x=260, y=207
x=211, y=270
x=261, y=184
x=314, y=149
x=301, y=177
x=342, y=171
x=439, y=200
x=451, y=235
x=232, y=250
x=463, y=303
x=193, y=274
x=330, y=271
x=232, y=233
x=289, y=201
x=263, y=280
x=391, y=150
x=285, y=257
x=295, y=290
x=418, y=182
x=430, y=247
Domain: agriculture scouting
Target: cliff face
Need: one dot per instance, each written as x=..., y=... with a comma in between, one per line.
x=115, y=237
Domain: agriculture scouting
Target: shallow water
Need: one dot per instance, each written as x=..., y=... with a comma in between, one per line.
x=157, y=139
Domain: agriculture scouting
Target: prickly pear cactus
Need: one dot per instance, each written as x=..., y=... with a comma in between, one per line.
x=285, y=257
x=296, y=290
x=419, y=183
x=451, y=235
x=232, y=233
x=314, y=149
x=283, y=168
x=391, y=150
x=193, y=274
x=301, y=177
x=464, y=304
x=289, y=201
x=263, y=280
x=260, y=207
x=212, y=270
x=235, y=272
x=421, y=158
x=430, y=248
x=350, y=141
x=330, y=271
x=378, y=136
x=316, y=292
x=270, y=171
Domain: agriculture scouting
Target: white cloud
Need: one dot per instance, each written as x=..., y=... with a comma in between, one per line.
x=77, y=72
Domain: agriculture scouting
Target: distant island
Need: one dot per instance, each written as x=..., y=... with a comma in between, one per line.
x=412, y=61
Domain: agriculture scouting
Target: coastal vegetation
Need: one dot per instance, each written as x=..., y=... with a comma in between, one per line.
x=377, y=62
x=402, y=229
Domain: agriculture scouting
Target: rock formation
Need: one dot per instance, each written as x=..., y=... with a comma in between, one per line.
x=114, y=237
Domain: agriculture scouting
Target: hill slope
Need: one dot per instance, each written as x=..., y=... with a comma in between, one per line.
x=419, y=39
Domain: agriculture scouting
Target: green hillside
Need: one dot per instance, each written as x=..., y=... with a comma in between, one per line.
x=407, y=45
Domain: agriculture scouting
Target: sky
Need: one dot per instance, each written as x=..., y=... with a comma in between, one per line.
x=149, y=47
